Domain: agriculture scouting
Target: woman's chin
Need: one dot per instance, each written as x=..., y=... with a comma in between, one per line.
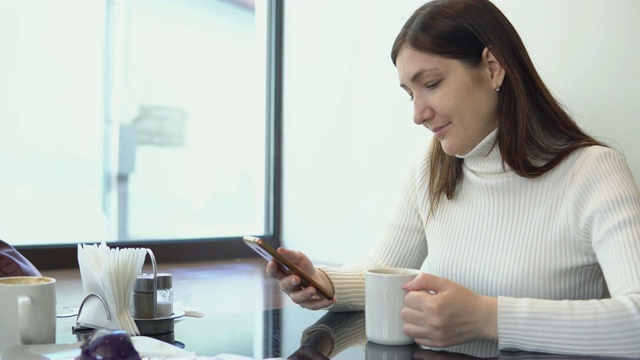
x=453, y=149
x=450, y=150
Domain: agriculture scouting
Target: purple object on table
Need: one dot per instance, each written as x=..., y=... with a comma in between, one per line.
x=108, y=345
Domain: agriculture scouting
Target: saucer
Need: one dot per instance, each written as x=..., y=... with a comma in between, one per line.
x=157, y=326
x=176, y=315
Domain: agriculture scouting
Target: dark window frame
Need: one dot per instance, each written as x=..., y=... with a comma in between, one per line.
x=62, y=256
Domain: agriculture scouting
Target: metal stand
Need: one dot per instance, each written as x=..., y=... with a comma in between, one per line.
x=81, y=331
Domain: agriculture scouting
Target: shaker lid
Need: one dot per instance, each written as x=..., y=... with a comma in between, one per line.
x=144, y=282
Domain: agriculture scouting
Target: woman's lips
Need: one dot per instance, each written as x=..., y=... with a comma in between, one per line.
x=439, y=131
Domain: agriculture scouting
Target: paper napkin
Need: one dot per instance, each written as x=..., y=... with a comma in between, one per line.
x=109, y=273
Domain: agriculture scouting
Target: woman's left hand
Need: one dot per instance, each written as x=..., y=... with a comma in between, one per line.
x=440, y=313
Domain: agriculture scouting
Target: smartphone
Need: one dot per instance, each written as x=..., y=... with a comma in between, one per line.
x=266, y=251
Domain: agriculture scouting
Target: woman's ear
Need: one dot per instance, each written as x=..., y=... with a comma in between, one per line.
x=496, y=71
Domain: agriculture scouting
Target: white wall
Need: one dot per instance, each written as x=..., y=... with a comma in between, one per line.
x=348, y=133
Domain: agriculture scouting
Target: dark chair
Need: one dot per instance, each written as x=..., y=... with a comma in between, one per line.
x=12, y=263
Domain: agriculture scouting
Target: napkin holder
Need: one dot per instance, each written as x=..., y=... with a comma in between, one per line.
x=109, y=273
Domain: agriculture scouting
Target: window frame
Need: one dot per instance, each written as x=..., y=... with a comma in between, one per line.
x=62, y=256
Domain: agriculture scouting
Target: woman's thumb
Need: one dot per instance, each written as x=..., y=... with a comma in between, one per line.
x=426, y=282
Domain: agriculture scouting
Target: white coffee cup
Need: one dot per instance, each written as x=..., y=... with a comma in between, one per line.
x=384, y=298
x=27, y=310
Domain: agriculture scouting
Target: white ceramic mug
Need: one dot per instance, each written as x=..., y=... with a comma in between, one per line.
x=27, y=310
x=384, y=298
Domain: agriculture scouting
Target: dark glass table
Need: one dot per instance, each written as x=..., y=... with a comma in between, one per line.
x=246, y=314
x=279, y=333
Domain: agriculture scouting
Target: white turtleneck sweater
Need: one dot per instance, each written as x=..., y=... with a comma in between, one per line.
x=561, y=252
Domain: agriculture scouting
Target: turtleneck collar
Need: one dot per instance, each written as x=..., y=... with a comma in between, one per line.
x=485, y=158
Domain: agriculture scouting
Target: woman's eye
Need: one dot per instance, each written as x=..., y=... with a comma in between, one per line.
x=433, y=84
x=410, y=97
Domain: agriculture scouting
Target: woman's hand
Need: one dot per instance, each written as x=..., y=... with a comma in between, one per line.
x=439, y=313
x=307, y=297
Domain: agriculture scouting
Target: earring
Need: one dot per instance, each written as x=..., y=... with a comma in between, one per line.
x=498, y=89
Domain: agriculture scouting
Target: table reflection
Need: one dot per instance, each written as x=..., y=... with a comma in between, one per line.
x=341, y=335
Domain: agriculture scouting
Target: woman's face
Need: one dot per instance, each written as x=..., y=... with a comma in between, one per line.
x=458, y=103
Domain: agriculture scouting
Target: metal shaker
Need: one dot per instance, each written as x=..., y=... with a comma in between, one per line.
x=153, y=302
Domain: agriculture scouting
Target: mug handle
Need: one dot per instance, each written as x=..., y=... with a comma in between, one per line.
x=24, y=317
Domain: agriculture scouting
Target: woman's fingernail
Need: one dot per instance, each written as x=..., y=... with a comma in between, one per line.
x=408, y=285
x=294, y=282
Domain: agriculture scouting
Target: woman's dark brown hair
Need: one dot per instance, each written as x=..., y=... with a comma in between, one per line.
x=534, y=132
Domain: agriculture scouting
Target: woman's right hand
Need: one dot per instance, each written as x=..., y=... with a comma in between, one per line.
x=306, y=297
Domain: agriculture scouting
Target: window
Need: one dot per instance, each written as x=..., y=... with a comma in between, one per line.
x=143, y=121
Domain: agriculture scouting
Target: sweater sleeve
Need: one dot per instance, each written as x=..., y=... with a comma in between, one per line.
x=606, y=203
x=347, y=329
x=402, y=243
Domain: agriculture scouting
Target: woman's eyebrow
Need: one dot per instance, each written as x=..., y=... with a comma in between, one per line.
x=417, y=75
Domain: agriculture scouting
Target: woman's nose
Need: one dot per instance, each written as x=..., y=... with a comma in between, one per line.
x=422, y=111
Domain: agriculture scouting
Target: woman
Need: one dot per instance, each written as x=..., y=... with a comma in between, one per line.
x=530, y=227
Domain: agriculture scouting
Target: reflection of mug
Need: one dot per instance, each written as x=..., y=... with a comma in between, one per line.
x=375, y=351
x=384, y=298
x=27, y=310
